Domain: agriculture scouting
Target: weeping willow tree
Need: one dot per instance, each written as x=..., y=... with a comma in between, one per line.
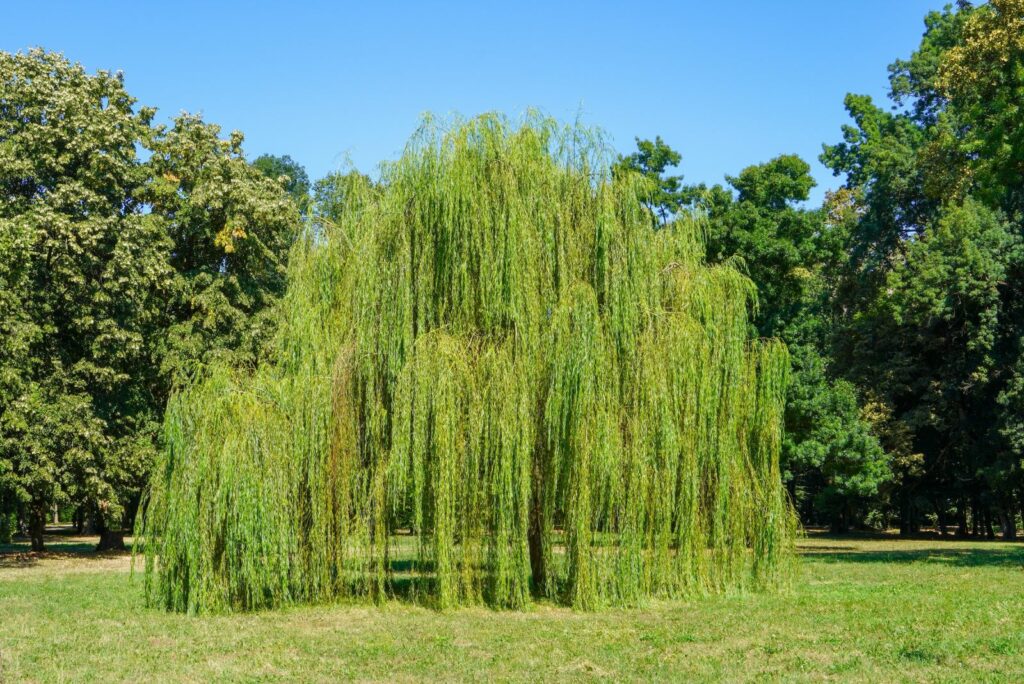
x=493, y=380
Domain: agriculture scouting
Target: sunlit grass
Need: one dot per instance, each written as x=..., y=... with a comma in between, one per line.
x=860, y=609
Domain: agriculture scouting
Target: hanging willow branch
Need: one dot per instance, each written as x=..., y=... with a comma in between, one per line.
x=493, y=379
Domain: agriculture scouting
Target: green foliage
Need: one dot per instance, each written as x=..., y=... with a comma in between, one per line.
x=83, y=270
x=338, y=193
x=664, y=195
x=929, y=312
x=982, y=77
x=935, y=336
x=54, y=444
x=290, y=174
x=117, y=276
x=497, y=354
x=232, y=228
x=776, y=240
x=832, y=462
x=878, y=157
x=8, y=526
x=776, y=184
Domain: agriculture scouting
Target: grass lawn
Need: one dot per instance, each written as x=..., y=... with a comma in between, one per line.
x=870, y=609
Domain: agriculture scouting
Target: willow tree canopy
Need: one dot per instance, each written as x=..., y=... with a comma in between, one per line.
x=493, y=379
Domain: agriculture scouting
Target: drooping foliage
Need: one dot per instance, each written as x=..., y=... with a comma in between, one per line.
x=832, y=463
x=491, y=379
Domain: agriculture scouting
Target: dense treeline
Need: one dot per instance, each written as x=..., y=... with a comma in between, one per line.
x=927, y=307
x=132, y=255
x=899, y=298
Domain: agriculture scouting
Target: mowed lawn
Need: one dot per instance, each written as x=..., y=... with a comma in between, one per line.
x=869, y=609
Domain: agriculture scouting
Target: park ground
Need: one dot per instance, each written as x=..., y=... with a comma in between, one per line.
x=863, y=608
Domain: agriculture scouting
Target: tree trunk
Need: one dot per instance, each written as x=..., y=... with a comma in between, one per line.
x=809, y=512
x=111, y=540
x=1020, y=502
x=904, y=515
x=909, y=524
x=535, y=541
x=987, y=523
x=91, y=523
x=961, y=518
x=840, y=524
x=1008, y=523
x=37, y=527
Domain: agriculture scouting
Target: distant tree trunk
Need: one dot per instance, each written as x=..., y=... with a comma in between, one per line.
x=1020, y=502
x=90, y=521
x=940, y=515
x=908, y=516
x=1008, y=523
x=809, y=512
x=840, y=522
x=110, y=540
x=987, y=523
x=37, y=526
x=961, y=518
x=131, y=510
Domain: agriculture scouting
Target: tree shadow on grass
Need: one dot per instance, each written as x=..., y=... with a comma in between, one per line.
x=29, y=559
x=968, y=558
x=19, y=554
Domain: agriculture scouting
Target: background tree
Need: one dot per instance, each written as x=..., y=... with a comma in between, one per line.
x=774, y=237
x=652, y=160
x=928, y=313
x=338, y=193
x=117, y=278
x=231, y=229
x=84, y=271
x=290, y=173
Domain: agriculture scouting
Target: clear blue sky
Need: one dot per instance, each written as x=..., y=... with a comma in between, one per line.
x=727, y=84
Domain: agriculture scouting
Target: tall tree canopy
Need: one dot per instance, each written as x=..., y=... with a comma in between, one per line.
x=652, y=161
x=85, y=269
x=232, y=228
x=291, y=173
x=115, y=274
x=929, y=306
